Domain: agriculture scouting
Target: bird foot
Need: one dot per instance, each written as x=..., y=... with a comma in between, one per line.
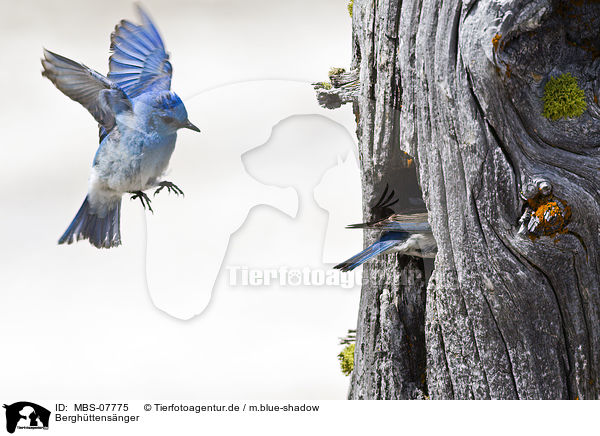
x=143, y=198
x=171, y=187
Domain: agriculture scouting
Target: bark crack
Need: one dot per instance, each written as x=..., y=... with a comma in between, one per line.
x=568, y=365
x=490, y=128
x=445, y=357
x=582, y=304
x=454, y=36
x=510, y=364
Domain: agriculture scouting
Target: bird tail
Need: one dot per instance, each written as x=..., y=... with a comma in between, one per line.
x=368, y=253
x=101, y=229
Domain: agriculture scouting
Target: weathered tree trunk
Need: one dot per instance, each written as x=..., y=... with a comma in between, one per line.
x=390, y=359
x=459, y=86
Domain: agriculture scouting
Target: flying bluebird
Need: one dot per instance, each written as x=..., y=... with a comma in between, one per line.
x=138, y=117
x=408, y=234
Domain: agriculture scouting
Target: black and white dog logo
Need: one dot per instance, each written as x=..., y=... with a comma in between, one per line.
x=26, y=415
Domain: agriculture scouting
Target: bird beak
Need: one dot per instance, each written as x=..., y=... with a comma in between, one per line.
x=188, y=125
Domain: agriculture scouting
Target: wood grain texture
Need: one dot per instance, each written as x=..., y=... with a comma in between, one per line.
x=390, y=352
x=458, y=86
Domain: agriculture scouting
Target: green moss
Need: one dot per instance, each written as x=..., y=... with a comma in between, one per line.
x=350, y=7
x=346, y=358
x=334, y=71
x=326, y=85
x=563, y=98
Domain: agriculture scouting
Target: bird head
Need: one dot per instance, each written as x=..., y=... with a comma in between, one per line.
x=171, y=112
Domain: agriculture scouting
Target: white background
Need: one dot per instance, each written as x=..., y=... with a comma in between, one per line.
x=78, y=322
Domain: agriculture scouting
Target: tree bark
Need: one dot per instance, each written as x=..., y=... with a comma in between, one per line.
x=390, y=354
x=512, y=308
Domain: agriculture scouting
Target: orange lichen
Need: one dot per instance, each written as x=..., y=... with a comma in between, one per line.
x=496, y=41
x=552, y=214
x=508, y=71
x=549, y=212
x=551, y=207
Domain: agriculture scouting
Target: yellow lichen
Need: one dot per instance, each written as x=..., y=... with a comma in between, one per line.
x=346, y=358
x=563, y=98
x=334, y=71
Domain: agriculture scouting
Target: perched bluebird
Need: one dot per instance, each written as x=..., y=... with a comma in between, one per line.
x=138, y=118
x=409, y=234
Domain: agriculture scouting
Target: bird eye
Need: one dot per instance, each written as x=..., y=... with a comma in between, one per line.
x=168, y=120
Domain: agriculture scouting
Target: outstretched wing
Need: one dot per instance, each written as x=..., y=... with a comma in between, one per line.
x=413, y=223
x=102, y=98
x=139, y=62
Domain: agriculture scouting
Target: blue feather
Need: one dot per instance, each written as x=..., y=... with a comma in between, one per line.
x=386, y=242
x=139, y=62
x=102, y=232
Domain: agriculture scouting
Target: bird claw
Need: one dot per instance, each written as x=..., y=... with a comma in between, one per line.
x=171, y=187
x=143, y=198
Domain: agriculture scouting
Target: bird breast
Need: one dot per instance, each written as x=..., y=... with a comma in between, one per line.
x=156, y=154
x=132, y=160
